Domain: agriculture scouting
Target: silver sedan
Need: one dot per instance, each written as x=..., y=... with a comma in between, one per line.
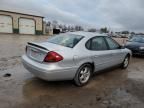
x=74, y=56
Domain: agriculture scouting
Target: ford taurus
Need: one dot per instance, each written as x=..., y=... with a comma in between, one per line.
x=74, y=56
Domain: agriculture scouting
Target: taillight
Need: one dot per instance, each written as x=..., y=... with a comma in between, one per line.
x=53, y=57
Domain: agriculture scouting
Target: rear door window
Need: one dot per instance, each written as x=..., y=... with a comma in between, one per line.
x=97, y=44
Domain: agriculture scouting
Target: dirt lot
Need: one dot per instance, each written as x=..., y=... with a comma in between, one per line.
x=114, y=88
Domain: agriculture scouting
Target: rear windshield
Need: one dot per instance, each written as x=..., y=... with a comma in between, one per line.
x=67, y=40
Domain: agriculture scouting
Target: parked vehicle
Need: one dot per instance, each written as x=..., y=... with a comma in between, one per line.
x=136, y=44
x=74, y=56
x=130, y=36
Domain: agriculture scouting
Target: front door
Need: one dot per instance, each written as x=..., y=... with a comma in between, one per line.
x=117, y=53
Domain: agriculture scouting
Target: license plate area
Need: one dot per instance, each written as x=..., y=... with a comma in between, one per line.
x=36, y=54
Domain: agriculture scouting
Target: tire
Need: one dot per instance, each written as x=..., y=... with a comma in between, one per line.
x=125, y=62
x=83, y=75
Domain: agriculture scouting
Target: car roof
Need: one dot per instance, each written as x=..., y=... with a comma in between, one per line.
x=88, y=34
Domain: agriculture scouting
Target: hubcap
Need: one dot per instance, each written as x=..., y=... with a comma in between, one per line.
x=126, y=61
x=84, y=75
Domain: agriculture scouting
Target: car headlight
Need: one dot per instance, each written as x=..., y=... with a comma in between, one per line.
x=142, y=48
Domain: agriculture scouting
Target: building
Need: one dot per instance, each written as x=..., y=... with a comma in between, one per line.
x=48, y=28
x=20, y=23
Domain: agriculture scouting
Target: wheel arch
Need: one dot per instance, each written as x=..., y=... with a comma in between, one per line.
x=129, y=55
x=89, y=63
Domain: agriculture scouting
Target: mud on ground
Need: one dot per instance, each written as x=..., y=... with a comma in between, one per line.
x=115, y=88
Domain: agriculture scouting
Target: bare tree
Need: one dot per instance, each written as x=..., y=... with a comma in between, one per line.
x=55, y=24
x=92, y=30
x=104, y=30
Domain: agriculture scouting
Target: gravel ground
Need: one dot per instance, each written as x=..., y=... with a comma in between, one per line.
x=115, y=88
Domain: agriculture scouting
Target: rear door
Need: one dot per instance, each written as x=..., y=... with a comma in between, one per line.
x=117, y=53
x=100, y=53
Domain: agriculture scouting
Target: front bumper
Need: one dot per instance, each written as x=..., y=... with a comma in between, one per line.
x=138, y=52
x=135, y=50
x=50, y=72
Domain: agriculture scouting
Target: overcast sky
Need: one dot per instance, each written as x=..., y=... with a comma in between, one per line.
x=114, y=14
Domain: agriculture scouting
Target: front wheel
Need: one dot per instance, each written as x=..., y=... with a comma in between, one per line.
x=83, y=75
x=125, y=62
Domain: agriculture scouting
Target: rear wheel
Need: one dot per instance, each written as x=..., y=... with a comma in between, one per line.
x=125, y=62
x=83, y=75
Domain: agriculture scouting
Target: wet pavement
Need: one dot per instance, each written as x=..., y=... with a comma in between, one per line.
x=115, y=88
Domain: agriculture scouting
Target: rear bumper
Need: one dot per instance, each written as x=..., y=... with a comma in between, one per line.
x=48, y=72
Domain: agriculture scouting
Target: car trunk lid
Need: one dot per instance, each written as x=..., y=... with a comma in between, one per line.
x=36, y=51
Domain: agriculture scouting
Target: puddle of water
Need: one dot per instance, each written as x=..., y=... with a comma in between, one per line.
x=120, y=98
